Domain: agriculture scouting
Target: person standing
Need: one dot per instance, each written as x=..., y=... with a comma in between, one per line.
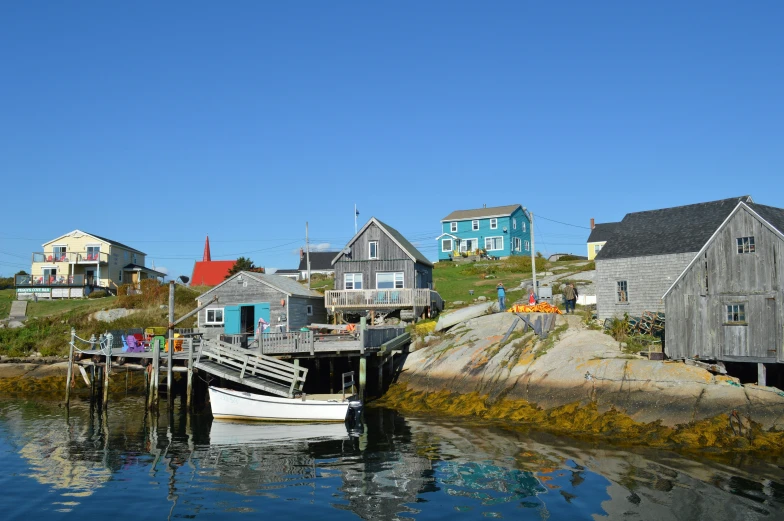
x=568, y=296
x=532, y=298
x=501, y=297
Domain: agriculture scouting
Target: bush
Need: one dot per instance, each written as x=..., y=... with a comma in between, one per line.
x=101, y=293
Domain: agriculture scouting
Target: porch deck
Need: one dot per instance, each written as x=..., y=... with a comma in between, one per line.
x=371, y=299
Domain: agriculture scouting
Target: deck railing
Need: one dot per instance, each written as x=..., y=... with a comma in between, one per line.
x=378, y=298
x=73, y=257
x=41, y=280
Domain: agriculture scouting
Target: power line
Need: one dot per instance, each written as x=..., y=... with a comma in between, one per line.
x=537, y=216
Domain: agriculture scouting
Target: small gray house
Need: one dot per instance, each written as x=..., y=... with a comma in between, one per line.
x=649, y=250
x=246, y=297
x=380, y=270
x=725, y=304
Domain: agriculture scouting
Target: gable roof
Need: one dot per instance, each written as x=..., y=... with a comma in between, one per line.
x=283, y=284
x=494, y=211
x=681, y=229
x=772, y=217
x=408, y=248
x=210, y=273
x=103, y=239
x=319, y=260
x=602, y=232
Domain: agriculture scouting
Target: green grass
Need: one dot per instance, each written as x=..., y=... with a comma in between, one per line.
x=320, y=283
x=45, y=308
x=6, y=297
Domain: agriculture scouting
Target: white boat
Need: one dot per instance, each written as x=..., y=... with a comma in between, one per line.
x=228, y=404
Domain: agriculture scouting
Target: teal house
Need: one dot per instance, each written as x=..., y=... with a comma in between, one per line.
x=500, y=231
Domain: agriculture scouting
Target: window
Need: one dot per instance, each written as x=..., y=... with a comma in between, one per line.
x=623, y=291
x=389, y=280
x=134, y=258
x=214, y=317
x=597, y=248
x=353, y=281
x=468, y=245
x=745, y=244
x=446, y=245
x=514, y=223
x=527, y=246
x=452, y=227
x=309, y=310
x=736, y=313
x=517, y=242
x=493, y=224
x=475, y=225
x=522, y=226
x=50, y=275
x=373, y=250
x=58, y=253
x=125, y=256
x=494, y=243
x=93, y=253
x=119, y=276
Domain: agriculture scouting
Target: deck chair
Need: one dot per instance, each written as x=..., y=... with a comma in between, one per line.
x=133, y=345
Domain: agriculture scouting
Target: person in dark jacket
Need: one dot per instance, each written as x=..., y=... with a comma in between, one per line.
x=569, y=296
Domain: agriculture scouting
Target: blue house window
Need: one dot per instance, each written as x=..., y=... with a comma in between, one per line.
x=453, y=227
x=493, y=223
x=527, y=246
x=514, y=223
x=474, y=224
x=494, y=243
x=522, y=226
x=446, y=245
x=517, y=243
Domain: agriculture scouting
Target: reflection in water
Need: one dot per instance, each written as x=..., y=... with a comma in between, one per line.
x=128, y=464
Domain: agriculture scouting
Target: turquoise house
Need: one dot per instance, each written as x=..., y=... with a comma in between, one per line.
x=502, y=231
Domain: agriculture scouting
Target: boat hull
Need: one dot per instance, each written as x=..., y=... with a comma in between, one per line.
x=237, y=405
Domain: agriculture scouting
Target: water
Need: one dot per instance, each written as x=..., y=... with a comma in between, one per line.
x=132, y=466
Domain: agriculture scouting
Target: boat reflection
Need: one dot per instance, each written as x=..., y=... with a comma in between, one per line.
x=233, y=433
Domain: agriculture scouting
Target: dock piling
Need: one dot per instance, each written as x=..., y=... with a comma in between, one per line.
x=107, y=368
x=69, y=376
x=189, y=390
x=362, y=376
x=171, y=343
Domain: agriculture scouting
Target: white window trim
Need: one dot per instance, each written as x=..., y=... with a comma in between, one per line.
x=370, y=254
x=464, y=241
x=494, y=223
x=514, y=223
x=453, y=226
x=597, y=248
x=309, y=310
x=527, y=245
x=522, y=226
x=517, y=243
x=495, y=237
x=394, y=279
x=353, y=280
x=475, y=225
x=207, y=321
x=451, y=247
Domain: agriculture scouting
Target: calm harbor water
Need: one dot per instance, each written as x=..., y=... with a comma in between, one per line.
x=128, y=465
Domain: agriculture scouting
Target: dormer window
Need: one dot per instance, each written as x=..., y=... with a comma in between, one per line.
x=373, y=250
x=746, y=245
x=493, y=224
x=474, y=225
x=453, y=227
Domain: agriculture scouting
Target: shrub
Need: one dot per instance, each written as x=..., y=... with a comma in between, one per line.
x=522, y=264
x=101, y=293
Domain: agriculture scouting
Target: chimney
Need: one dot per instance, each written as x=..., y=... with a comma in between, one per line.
x=593, y=223
x=301, y=254
x=206, y=257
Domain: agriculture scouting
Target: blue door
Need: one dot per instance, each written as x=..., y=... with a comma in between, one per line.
x=231, y=320
x=262, y=311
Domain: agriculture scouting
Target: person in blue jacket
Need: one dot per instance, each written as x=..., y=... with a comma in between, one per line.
x=501, y=297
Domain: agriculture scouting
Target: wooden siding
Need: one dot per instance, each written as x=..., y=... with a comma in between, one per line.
x=696, y=305
x=648, y=278
x=250, y=291
x=391, y=259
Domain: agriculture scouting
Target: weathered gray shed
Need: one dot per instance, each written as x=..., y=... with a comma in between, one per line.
x=725, y=304
x=247, y=296
x=649, y=250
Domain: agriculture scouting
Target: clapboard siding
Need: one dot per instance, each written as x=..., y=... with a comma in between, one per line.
x=391, y=259
x=648, y=278
x=250, y=291
x=696, y=305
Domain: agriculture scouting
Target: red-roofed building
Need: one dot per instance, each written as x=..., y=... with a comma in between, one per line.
x=208, y=272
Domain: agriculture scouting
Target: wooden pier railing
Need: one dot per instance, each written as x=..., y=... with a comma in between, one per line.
x=381, y=298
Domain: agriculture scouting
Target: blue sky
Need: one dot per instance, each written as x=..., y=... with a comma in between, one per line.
x=157, y=124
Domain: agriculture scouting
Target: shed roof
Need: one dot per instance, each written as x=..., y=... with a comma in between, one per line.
x=680, y=229
x=478, y=213
x=319, y=260
x=139, y=267
x=602, y=232
x=396, y=236
x=279, y=282
x=210, y=273
x=774, y=216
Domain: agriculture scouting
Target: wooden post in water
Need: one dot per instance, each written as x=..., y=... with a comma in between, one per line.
x=332, y=375
x=69, y=376
x=380, y=387
x=189, y=390
x=107, y=368
x=155, y=378
x=171, y=342
x=362, y=376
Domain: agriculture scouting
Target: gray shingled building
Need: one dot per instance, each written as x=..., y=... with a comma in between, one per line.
x=649, y=250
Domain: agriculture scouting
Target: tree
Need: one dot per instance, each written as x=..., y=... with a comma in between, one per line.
x=241, y=264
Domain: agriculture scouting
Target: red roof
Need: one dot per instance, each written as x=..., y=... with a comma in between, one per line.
x=210, y=273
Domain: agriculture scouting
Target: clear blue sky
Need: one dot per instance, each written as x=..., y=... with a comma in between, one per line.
x=155, y=123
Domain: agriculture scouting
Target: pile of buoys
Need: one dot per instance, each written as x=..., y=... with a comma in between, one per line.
x=542, y=307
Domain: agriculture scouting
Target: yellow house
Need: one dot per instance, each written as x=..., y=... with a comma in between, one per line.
x=600, y=233
x=75, y=264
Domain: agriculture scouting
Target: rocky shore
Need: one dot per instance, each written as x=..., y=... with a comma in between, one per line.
x=579, y=381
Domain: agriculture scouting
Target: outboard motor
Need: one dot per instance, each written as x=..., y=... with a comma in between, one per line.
x=354, y=418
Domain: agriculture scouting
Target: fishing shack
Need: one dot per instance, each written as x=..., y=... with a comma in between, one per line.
x=246, y=297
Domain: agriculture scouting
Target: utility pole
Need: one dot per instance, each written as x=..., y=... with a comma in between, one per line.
x=533, y=255
x=171, y=342
x=307, y=252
